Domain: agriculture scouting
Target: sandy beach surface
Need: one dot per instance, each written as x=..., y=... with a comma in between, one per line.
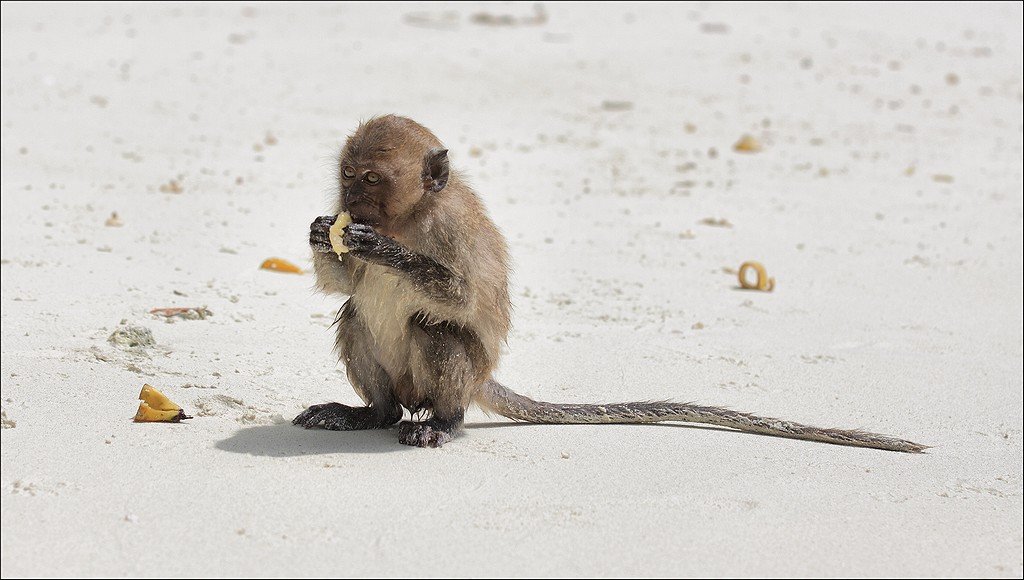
x=885, y=201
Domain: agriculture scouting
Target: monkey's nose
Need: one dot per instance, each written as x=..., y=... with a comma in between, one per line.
x=354, y=197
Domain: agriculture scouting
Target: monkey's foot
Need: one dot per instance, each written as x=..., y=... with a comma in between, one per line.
x=425, y=434
x=338, y=417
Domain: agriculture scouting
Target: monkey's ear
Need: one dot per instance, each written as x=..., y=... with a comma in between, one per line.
x=435, y=169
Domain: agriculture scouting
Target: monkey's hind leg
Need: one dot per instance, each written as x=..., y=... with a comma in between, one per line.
x=446, y=365
x=369, y=379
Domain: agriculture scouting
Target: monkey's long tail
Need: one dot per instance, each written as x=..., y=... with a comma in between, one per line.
x=507, y=403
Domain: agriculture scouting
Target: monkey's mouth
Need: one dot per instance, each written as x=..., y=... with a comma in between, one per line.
x=361, y=216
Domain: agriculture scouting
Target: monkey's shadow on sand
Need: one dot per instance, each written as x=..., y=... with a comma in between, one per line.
x=286, y=440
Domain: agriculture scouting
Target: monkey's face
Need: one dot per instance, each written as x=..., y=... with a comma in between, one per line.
x=386, y=169
x=383, y=189
x=374, y=192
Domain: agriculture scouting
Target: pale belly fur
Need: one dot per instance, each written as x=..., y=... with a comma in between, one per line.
x=385, y=303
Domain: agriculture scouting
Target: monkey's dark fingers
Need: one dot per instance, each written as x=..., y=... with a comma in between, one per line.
x=322, y=224
x=320, y=242
x=361, y=238
x=319, y=236
x=422, y=435
x=317, y=414
x=361, y=229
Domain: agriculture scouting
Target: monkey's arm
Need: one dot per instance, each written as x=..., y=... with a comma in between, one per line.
x=332, y=277
x=428, y=275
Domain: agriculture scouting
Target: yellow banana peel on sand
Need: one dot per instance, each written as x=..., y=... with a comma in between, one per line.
x=155, y=407
x=762, y=282
x=280, y=265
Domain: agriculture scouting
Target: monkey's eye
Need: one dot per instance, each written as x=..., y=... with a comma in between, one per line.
x=372, y=178
x=348, y=172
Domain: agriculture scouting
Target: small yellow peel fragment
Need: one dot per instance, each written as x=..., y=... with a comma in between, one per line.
x=762, y=283
x=747, y=144
x=280, y=265
x=337, y=231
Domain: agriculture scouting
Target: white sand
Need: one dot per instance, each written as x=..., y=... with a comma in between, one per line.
x=898, y=306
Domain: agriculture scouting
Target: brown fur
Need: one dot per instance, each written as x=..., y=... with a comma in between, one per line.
x=429, y=354
x=429, y=308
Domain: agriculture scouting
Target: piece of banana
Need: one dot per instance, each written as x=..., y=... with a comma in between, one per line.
x=155, y=407
x=337, y=232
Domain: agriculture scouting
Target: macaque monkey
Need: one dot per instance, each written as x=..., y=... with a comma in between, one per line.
x=428, y=309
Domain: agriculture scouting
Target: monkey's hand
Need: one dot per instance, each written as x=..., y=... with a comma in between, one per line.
x=366, y=244
x=430, y=276
x=319, y=232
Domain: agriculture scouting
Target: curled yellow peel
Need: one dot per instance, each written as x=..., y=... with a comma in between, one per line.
x=762, y=282
x=157, y=408
x=280, y=265
x=337, y=232
x=147, y=414
x=157, y=400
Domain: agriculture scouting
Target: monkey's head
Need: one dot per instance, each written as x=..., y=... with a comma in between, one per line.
x=387, y=168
